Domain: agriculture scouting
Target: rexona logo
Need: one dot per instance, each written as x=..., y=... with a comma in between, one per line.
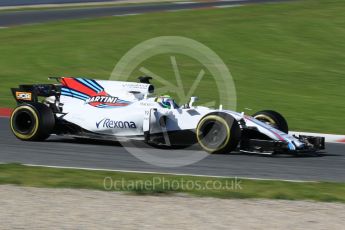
x=111, y=124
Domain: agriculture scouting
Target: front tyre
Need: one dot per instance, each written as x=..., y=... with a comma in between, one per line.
x=32, y=122
x=218, y=133
x=272, y=118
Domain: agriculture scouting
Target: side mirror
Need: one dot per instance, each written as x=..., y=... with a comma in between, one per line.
x=192, y=100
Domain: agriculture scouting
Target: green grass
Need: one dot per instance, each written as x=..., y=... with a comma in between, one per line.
x=168, y=184
x=288, y=56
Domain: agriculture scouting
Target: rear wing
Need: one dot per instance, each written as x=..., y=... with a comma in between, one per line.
x=30, y=93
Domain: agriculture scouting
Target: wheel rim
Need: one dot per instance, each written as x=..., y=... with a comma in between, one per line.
x=267, y=120
x=213, y=134
x=24, y=122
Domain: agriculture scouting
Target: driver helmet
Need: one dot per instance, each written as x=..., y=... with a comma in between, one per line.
x=164, y=101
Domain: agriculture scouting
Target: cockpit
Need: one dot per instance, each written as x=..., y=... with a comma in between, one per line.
x=167, y=102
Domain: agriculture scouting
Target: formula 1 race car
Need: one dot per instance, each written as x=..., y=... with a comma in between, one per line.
x=122, y=111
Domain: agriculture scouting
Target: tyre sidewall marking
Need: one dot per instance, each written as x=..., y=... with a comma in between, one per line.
x=219, y=119
x=34, y=113
x=266, y=117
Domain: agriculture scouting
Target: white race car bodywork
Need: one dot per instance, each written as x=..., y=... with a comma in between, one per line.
x=142, y=113
x=119, y=110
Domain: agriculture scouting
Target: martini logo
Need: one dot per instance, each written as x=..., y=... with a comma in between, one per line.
x=91, y=92
x=102, y=99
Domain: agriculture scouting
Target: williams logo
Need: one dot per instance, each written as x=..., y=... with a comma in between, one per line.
x=111, y=124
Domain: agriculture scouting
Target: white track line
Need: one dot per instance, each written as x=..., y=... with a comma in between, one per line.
x=231, y=0
x=100, y=3
x=329, y=138
x=181, y=3
x=3, y=27
x=228, y=6
x=124, y=15
x=165, y=173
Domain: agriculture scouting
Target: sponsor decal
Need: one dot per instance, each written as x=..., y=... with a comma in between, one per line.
x=147, y=104
x=24, y=96
x=135, y=85
x=102, y=99
x=91, y=92
x=112, y=124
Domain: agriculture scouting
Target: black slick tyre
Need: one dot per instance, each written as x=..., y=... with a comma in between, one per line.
x=272, y=118
x=218, y=133
x=32, y=122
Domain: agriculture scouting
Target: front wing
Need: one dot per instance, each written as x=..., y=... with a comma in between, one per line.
x=311, y=144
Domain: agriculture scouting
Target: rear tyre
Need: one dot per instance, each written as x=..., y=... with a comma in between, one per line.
x=218, y=133
x=32, y=122
x=272, y=118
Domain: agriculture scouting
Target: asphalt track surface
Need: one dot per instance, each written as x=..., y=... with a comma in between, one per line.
x=39, y=2
x=16, y=18
x=327, y=166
